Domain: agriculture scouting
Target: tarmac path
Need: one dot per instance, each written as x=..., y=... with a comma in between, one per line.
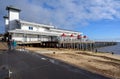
x=27, y=65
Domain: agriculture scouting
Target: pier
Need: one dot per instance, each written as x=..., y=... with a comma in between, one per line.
x=77, y=45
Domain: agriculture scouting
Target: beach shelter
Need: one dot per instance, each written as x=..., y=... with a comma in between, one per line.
x=71, y=35
x=63, y=35
x=84, y=36
x=79, y=37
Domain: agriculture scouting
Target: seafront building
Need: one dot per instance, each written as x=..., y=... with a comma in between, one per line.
x=25, y=31
x=34, y=34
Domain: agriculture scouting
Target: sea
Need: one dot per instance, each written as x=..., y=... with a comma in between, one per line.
x=115, y=49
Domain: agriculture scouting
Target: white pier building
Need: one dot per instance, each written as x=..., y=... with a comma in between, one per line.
x=25, y=31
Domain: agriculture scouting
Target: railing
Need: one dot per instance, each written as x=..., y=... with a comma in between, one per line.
x=76, y=41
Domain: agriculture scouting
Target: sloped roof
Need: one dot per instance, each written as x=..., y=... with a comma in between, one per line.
x=34, y=24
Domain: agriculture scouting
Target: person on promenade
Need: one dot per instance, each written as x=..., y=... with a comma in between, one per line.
x=96, y=50
x=9, y=43
x=14, y=44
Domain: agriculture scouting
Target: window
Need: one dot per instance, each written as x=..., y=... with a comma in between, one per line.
x=30, y=28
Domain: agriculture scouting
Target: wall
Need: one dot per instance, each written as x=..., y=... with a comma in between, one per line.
x=35, y=28
x=29, y=37
x=13, y=15
x=13, y=25
x=6, y=24
x=18, y=37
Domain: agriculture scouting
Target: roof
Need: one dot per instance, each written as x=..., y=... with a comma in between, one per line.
x=37, y=33
x=34, y=32
x=12, y=8
x=35, y=24
x=65, y=31
x=48, y=26
x=5, y=17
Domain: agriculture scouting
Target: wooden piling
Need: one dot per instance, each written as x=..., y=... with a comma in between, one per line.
x=77, y=45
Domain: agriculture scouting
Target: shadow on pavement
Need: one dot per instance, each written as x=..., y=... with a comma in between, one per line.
x=31, y=65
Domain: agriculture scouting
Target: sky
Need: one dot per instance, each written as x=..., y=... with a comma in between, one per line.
x=97, y=19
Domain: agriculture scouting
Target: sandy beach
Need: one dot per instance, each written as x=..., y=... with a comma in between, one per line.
x=101, y=63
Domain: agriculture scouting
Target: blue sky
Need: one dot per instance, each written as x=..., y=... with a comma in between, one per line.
x=98, y=19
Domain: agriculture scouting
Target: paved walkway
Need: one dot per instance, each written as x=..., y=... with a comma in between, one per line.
x=26, y=65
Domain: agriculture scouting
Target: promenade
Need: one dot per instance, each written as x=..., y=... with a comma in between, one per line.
x=28, y=65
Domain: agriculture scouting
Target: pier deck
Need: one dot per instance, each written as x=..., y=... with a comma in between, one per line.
x=77, y=44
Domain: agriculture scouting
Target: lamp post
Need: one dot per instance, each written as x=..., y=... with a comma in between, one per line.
x=62, y=36
x=72, y=41
x=84, y=37
x=79, y=40
x=85, y=42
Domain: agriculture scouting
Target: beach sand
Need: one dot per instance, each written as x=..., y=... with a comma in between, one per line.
x=101, y=63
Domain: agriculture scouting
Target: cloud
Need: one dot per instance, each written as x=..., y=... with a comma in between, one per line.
x=67, y=13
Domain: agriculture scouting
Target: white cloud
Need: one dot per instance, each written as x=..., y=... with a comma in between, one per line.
x=67, y=13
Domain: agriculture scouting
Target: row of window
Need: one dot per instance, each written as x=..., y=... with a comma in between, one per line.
x=30, y=28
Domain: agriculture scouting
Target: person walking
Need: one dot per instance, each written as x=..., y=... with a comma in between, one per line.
x=9, y=43
x=14, y=44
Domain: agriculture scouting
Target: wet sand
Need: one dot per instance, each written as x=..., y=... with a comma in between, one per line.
x=101, y=63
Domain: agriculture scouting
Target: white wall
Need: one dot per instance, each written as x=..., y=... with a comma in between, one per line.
x=6, y=21
x=24, y=27
x=13, y=15
x=31, y=37
x=18, y=38
x=41, y=29
x=6, y=24
x=35, y=28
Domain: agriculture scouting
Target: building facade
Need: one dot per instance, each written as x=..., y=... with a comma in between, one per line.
x=25, y=31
